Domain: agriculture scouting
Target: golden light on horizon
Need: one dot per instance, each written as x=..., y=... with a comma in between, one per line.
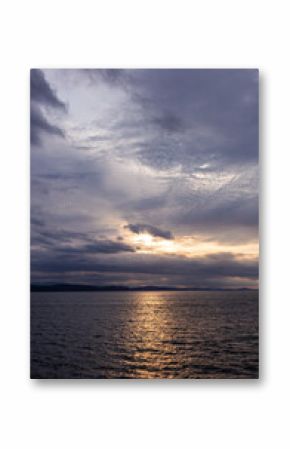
x=144, y=239
x=188, y=246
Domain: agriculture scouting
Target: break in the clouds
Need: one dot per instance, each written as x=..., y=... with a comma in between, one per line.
x=145, y=177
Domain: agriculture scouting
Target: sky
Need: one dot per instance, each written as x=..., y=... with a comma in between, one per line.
x=144, y=177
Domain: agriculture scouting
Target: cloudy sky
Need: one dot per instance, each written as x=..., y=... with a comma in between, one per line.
x=144, y=177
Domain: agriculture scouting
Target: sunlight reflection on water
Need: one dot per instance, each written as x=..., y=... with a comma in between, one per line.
x=144, y=335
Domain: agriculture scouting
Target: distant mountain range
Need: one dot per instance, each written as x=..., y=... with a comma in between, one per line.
x=121, y=288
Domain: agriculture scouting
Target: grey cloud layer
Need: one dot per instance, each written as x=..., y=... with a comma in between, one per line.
x=167, y=152
x=41, y=91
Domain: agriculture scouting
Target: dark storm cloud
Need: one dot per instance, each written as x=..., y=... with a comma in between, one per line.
x=41, y=92
x=219, y=213
x=194, y=272
x=112, y=75
x=39, y=125
x=42, y=96
x=216, y=109
x=36, y=222
x=169, y=122
x=41, y=236
x=107, y=247
x=139, y=228
x=69, y=243
x=68, y=179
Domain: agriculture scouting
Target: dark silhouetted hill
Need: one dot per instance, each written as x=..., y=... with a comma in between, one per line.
x=121, y=288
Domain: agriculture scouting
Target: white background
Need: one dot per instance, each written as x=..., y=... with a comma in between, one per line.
x=140, y=414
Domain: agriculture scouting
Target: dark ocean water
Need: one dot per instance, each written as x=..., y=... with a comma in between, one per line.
x=144, y=335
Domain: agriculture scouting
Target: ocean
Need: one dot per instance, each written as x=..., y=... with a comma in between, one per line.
x=144, y=335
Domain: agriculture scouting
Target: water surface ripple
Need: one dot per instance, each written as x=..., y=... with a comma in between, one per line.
x=144, y=335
